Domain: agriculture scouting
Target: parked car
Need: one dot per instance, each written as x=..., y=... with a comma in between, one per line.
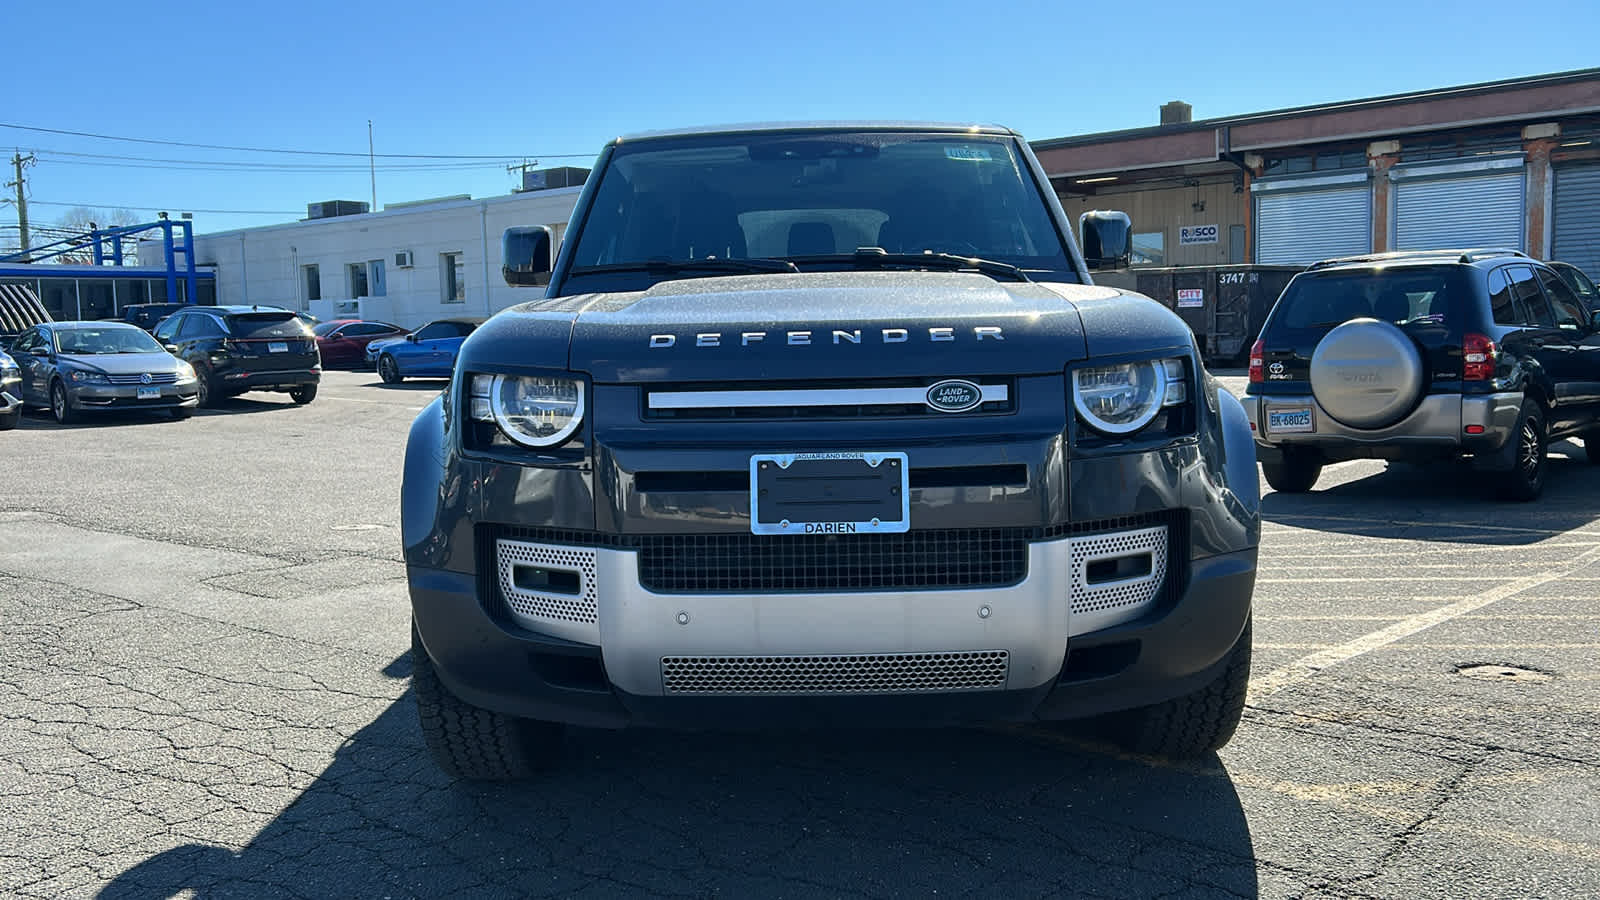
x=748, y=464
x=149, y=315
x=1580, y=284
x=235, y=349
x=72, y=368
x=1482, y=354
x=343, y=342
x=10, y=392
x=428, y=352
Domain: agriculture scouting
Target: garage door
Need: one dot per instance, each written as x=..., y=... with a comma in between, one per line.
x=1300, y=225
x=1575, y=225
x=1434, y=212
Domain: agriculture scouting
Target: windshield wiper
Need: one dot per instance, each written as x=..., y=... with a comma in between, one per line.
x=709, y=264
x=877, y=257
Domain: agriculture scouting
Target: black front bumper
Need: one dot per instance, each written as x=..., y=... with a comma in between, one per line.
x=1173, y=651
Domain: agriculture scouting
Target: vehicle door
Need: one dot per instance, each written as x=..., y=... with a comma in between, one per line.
x=420, y=357
x=359, y=335
x=35, y=370
x=1578, y=382
x=1546, y=350
x=444, y=359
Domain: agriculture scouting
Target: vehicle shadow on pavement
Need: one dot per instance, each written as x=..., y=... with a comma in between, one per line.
x=410, y=384
x=41, y=420
x=1447, y=502
x=1001, y=812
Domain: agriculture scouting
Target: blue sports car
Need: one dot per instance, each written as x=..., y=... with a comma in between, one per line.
x=428, y=352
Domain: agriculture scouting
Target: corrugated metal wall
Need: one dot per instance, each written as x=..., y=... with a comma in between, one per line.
x=1165, y=210
x=1470, y=211
x=1575, y=226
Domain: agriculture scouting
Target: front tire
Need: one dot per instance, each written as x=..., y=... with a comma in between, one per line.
x=1591, y=447
x=389, y=371
x=10, y=420
x=1192, y=725
x=1295, y=473
x=1525, y=480
x=304, y=394
x=477, y=744
x=61, y=405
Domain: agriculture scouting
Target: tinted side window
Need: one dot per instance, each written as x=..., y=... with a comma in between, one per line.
x=168, y=330
x=362, y=330
x=464, y=328
x=25, y=344
x=1500, y=300
x=436, y=331
x=1569, y=309
x=1526, y=289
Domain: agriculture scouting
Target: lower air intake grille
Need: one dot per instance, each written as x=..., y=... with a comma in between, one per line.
x=914, y=560
x=885, y=673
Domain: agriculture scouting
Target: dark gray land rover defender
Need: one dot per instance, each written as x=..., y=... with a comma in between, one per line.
x=818, y=425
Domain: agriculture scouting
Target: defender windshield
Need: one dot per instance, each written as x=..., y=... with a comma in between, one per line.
x=803, y=197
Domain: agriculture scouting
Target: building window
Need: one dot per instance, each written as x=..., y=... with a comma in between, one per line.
x=358, y=280
x=453, y=277
x=375, y=278
x=1148, y=249
x=313, y=282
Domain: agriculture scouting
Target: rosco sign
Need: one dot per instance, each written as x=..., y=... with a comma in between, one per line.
x=1197, y=234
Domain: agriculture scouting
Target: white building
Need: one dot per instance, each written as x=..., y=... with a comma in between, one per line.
x=408, y=264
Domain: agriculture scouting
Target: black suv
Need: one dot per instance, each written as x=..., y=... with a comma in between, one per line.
x=149, y=315
x=1485, y=354
x=235, y=349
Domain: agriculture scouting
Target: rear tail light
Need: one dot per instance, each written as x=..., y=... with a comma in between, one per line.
x=1478, y=357
x=1257, y=350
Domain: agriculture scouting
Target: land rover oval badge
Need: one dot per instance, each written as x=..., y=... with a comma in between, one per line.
x=954, y=395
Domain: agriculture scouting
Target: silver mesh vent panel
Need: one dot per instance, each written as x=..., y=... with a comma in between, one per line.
x=877, y=673
x=581, y=608
x=1124, y=595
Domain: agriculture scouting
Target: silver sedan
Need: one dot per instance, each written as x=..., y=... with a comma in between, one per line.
x=75, y=367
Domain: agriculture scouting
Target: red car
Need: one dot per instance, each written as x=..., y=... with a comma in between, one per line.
x=343, y=342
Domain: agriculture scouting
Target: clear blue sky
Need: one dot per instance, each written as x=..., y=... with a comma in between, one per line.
x=540, y=79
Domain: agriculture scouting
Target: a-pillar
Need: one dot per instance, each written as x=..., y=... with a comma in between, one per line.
x=1381, y=157
x=1538, y=142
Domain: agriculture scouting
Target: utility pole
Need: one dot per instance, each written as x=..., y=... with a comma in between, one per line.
x=372, y=167
x=521, y=168
x=17, y=162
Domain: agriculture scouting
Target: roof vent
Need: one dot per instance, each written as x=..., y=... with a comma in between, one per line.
x=329, y=209
x=1176, y=113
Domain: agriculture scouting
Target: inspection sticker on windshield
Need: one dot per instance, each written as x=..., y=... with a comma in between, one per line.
x=1289, y=421
x=969, y=153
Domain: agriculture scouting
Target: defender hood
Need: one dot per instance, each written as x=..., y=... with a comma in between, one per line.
x=830, y=325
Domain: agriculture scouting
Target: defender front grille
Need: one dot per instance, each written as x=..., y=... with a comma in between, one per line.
x=819, y=399
x=545, y=605
x=879, y=673
x=914, y=560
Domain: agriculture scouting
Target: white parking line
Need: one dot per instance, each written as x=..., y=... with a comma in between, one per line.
x=1308, y=666
x=379, y=402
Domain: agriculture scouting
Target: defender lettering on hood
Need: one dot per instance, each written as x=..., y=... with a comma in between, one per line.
x=840, y=336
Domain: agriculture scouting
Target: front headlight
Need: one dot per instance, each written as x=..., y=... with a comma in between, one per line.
x=1124, y=398
x=534, y=410
x=83, y=377
x=185, y=371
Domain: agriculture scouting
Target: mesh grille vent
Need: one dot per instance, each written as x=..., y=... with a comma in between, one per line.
x=885, y=673
x=581, y=608
x=1123, y=594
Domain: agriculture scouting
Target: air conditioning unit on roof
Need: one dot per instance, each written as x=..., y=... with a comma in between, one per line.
x=402, y=259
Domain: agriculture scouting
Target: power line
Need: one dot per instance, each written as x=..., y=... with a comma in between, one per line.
x=247, y=164
x=236, y=212
x=502, y=157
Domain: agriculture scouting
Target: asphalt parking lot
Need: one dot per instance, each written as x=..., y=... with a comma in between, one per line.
x=204, y=692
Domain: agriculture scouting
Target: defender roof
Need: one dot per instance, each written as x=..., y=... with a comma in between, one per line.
x=770, y=127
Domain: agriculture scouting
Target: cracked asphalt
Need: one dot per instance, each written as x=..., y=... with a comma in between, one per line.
x=204, y=692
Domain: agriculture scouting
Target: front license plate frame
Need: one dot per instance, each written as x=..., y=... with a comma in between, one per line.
x=839, y=493
x=1276, y=418
x=147, y=393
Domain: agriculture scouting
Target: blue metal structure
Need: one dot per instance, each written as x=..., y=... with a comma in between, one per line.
x=98, y=239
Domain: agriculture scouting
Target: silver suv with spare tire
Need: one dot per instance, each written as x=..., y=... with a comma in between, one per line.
x=1417, y=356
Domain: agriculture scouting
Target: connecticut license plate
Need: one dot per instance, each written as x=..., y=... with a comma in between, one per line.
x=829, y=493
x=148, y=393
x=277, y=346
x=1289, y=421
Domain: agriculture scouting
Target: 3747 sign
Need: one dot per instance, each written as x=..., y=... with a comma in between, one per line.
x=1197, y=234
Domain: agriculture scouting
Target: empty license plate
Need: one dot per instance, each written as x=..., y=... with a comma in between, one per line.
x=148, y=393
x=1289, y=421
x=829, y=493
x=277, y=346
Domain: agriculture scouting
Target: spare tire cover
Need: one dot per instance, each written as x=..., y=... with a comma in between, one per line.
x=1366, y=373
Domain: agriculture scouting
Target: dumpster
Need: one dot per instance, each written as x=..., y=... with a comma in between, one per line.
x=1224, y=306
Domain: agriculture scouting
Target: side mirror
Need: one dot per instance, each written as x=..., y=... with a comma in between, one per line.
x=1107, y=239
x=172, y=348
x=412, y=337
x=525, y=256
x=42, y=352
